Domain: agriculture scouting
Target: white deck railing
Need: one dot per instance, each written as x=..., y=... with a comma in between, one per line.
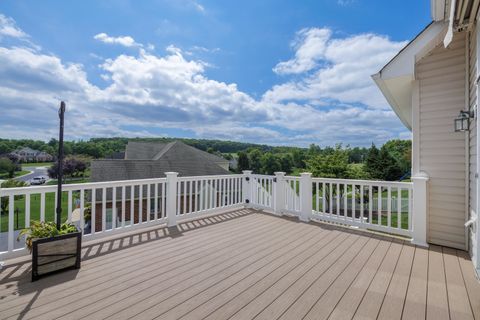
x=105, y=208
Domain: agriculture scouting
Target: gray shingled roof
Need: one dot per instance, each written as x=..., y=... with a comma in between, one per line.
x=151, y=160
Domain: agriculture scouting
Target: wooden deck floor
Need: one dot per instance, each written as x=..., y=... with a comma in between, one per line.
x=249, y=265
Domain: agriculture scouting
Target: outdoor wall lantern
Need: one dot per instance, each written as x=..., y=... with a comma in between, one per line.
x=462, y=122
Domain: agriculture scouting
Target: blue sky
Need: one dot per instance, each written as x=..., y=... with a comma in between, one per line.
x=276, y=72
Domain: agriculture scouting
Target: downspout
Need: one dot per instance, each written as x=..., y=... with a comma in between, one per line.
x=467, y=138
x=477, y=166
x=449, y=36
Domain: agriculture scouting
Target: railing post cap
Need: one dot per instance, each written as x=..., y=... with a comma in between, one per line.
x=171, y=174
x=306, y=174
x=279, y=173
x=421, y=176
x=247, y=171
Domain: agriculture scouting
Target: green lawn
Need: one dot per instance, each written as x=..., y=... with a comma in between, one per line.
x=37, y=164
x=35, y=209
x=70, y=181
x=16, y=174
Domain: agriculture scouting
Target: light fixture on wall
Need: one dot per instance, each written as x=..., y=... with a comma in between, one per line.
x=462, y=122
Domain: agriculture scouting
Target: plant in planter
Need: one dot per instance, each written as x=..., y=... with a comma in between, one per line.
x=53, y=249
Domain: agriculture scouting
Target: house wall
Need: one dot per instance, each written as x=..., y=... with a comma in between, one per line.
x=472, y=77
x=442, y=152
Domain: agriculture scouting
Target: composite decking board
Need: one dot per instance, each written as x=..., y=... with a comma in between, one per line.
x=373, y=298
x=304, y=303
x=246, y=266
x=189, y=301
x=152, y=264
x=241, y=292
x=394, y=299
x=416, y=299
x=304, y=249
x=131, y=252
x=459, y=304
x=65, y=288
x=262, y=294
x=346, y=306
x=164, y=299
x=437, y=299
x=327, y=303
x=472, y=284
x=107, y=270
x=284, y=293
x=119, y=288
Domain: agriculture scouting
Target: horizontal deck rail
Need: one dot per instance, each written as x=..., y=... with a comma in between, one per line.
x=105, y=208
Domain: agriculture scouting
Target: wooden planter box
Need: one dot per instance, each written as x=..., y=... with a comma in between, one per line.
x=54, y=254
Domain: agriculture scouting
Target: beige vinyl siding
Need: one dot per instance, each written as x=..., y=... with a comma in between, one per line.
x=473, y=132
x=441, y=76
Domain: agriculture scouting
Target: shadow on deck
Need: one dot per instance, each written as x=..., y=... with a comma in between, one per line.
x=246, y=264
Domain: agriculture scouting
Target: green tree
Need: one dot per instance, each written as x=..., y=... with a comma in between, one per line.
x=254, y=158
x=391, y=169
x=286, y=163
x=372, y=163
x=7, y=167
x=298, y=158
x=270, y=164
x=332, y=165
x=401, y=151
x=357, y=171
x=243, y=162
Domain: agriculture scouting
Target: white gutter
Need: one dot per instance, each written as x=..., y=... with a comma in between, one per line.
x=449, y=36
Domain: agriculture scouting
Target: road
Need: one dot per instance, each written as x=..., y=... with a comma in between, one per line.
x=36, y=172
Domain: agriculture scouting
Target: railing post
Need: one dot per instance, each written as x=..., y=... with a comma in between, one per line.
x=279, y=195
x=306, y=196
x=247, y=189
x=420, y=211
x=172, y=179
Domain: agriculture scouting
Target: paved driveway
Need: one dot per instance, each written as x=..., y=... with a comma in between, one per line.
x=36, y=172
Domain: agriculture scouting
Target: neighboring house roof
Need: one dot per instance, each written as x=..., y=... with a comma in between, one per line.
x=175, y=156
x=26, y=150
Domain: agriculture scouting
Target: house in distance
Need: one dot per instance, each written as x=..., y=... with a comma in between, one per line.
x=147, y=160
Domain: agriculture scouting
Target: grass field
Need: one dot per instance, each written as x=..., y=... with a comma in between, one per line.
x=37, y=164
x=35, y=210
x=69, y=181
x=16, y=174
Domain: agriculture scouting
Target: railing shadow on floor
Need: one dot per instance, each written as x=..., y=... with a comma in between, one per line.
x=18, y=273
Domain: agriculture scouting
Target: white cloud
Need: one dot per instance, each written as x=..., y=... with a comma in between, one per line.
x=338, y=68
x=9, y=28
x=309, y=45
x=125, y=41
x=146, y=94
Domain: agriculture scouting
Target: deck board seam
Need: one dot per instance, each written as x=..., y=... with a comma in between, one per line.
x=329, y=267
x=292, y=230
x=159, y=256
x=300, y=244
x=350, y=285
x=386, y=289
x=446, y=284
x=279, y=228
x=254, y=283
x=280, y=278
x=464, y=284
x=341, y=273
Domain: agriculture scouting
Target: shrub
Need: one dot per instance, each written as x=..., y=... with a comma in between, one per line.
x=40, y=230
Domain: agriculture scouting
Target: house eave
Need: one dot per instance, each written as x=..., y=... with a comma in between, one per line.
x=396, y=78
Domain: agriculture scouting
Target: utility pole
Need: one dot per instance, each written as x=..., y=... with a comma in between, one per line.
x=61, y=114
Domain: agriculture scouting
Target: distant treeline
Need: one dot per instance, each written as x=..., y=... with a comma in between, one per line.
x=104, y=147
x=389, y=162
